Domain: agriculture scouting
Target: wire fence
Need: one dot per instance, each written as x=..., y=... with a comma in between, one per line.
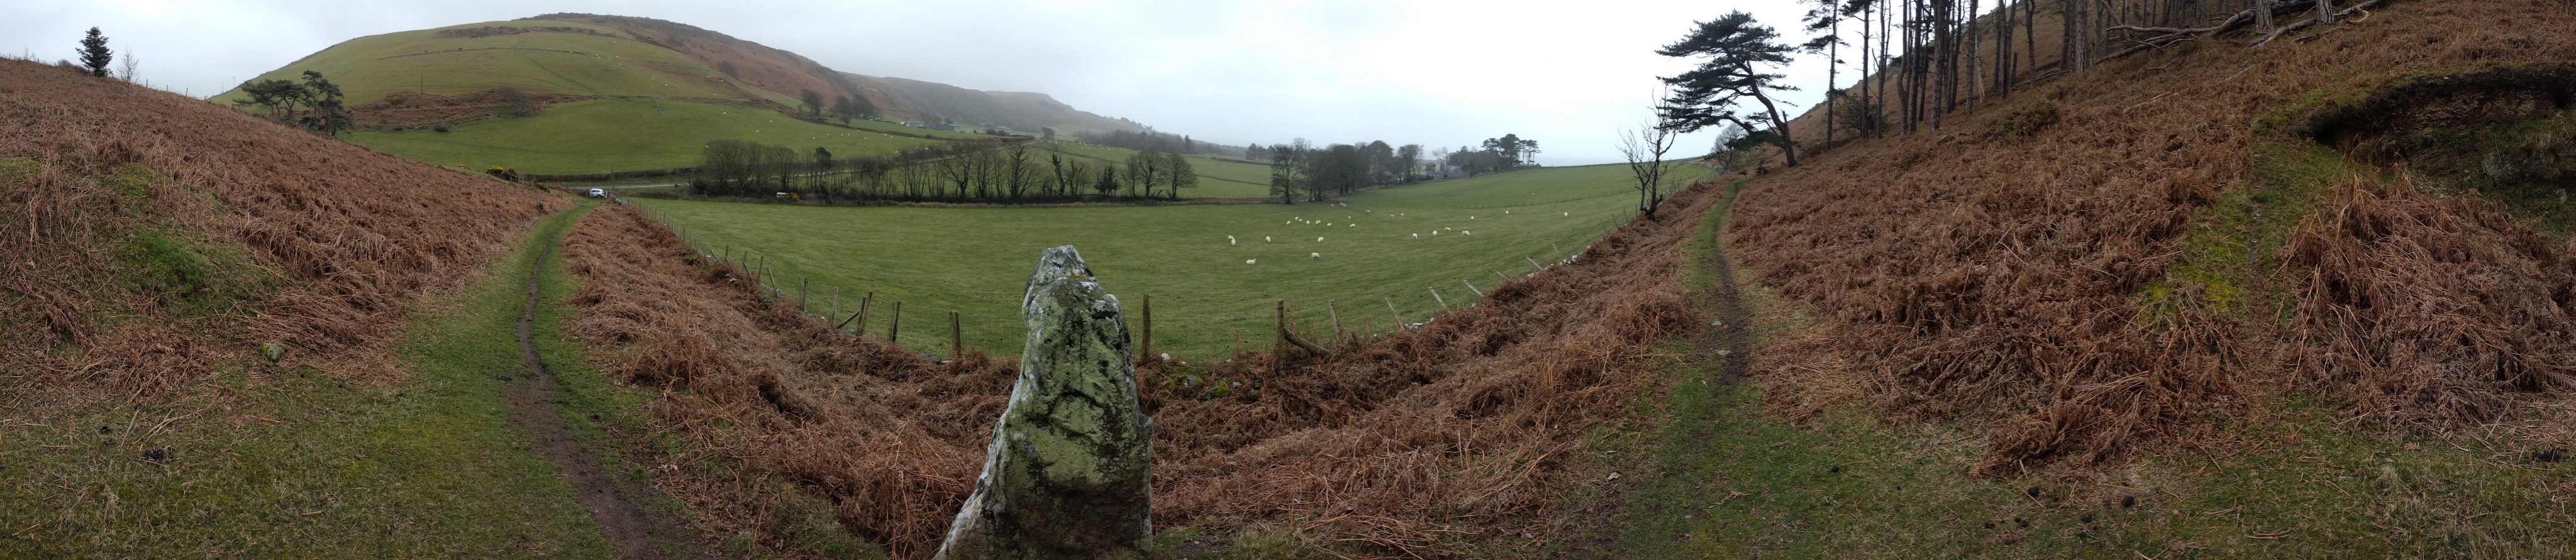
x=1183, y=328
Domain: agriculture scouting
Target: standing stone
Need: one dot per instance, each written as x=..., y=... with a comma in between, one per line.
x=1067, y=475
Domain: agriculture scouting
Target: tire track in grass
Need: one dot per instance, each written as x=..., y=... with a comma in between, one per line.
x=637, y=531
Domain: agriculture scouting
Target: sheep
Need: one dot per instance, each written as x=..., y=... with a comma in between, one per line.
x=1313, y=256
x=1250, y=261
x=1466, y=233
x=1355, y=225
x=1319, y=240
x=1265, y=239
x=1229, y=241
x=1417, y=236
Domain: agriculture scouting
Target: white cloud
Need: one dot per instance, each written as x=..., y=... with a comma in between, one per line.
x=1439, y=73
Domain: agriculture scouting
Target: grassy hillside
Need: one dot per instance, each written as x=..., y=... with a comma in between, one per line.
x=597, y=63
x=975, y=260
x=612, y=134
x=653, y=107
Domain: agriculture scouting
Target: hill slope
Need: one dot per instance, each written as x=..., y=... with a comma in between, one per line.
x=593, y=93
x=788, y=73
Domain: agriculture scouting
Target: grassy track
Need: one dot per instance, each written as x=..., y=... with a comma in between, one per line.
x=1206, y=297
x=299, y=462
x=616, y=134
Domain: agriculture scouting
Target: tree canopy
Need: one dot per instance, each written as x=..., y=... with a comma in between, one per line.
x=1737, y=51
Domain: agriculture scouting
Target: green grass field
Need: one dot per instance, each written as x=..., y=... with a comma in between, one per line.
x=1207, y=298
x=613, y=134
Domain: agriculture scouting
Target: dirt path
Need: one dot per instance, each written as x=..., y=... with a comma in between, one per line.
x=1734, y=334
x=636, y=530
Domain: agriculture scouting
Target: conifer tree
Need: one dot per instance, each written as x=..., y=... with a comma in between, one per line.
x=94, y=54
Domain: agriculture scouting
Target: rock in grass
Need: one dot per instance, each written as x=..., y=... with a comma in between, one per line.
x=1068, y=472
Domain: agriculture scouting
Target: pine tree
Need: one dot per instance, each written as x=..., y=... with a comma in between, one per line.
x=94, y=54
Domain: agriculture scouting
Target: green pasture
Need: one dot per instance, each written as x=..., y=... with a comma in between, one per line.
x=1217, y=178
x=1207, y=298
x=617, y=134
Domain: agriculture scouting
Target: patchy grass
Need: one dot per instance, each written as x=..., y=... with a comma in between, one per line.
x=1206, y=298
x=294, y=460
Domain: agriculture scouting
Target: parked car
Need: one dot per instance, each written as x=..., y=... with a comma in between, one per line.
x=599, y=193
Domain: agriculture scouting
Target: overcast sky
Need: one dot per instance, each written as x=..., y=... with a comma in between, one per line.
x=1568, y=74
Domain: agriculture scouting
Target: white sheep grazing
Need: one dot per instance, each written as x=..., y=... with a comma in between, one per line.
x=1319, y=240
x=1448, y=229
x=1417, y=236
x=1312, y=256
x=1265, y=239
x=1229, y=241
x=1435, y=233
x=1565, y=213
x=1250, y=261
x=1471, y=217
x=1466, y=233
x=1355, y=225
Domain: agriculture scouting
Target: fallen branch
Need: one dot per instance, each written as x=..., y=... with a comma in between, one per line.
x=2361, y=8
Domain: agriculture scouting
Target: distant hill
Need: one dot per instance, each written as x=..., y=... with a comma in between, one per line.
x=788, y=73
x=583, y=93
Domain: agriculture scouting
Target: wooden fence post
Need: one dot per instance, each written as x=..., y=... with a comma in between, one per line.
x=1505, y=277
x=1147, y=341
x=1560, y=251
x=894, y=327
x=836, y=304
x=864, y=302
x=1534, y=264
x=956, y=339
x=1399, y=315
x=1435, y=296
x=1279, y=340
x=1337, y=318
x=802, y=286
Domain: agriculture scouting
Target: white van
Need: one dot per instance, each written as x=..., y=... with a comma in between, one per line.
x=599, y=193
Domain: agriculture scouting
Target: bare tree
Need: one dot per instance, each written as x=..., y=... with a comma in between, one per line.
x=125, y=66
x=1645, y=148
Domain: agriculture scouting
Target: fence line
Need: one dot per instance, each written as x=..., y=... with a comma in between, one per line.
x=1298, y=317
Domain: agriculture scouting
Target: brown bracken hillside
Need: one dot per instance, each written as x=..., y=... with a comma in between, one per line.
x=147, y=236
x=2151, y=256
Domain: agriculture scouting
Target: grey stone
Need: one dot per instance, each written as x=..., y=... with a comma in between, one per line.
x=1068, y=474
